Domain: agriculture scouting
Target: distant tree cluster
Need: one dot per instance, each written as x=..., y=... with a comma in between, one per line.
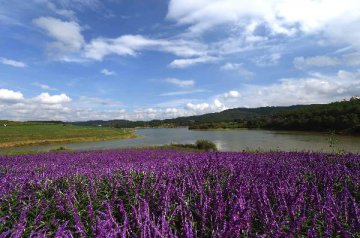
x=338, y=116
x=341, y=117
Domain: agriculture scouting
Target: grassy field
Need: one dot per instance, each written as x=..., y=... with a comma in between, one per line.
x=23, y=134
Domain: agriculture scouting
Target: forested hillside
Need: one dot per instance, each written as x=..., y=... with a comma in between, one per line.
x=229, y=115
x=341, y=117
x=338, y=116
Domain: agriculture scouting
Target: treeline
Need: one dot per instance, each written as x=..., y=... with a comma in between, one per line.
x=230, y=115
x=126, y=123
x=339, y=117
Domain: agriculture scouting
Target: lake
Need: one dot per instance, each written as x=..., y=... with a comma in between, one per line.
x=226, y=140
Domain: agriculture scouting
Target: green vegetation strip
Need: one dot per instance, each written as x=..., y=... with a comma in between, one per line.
x=25, y=134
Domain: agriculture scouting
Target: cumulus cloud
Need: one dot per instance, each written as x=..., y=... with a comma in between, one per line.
x=171, y=110
x=180, y=83
x=185, y=63
x=107, y=72
x=46, y=98
x=14, y=106
x=13, y=63
x=316, y=88
x=339, y=22
x=67, y=35
x=232, y=94
x=7, y=95
x=199, y=108
x=239, y=68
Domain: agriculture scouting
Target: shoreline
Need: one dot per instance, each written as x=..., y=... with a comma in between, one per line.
x=280, y=131
x=64, y=140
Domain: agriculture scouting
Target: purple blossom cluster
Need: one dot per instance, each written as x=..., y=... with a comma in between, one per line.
x=168, y=193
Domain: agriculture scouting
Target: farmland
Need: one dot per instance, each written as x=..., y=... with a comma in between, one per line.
x=31, y=133
x=169, y=193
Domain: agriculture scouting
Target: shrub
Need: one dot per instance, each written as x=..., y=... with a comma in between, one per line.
x=61, y=148
x=205, y=145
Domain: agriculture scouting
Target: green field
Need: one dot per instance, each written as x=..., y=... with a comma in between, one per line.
x=26, y=133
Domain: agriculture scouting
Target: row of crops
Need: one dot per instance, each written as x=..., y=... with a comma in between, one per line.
x=168, y=193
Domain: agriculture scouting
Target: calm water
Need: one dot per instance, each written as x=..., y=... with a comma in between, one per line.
x=230, y=140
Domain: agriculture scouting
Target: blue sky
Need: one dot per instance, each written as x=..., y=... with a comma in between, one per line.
x=145, y=59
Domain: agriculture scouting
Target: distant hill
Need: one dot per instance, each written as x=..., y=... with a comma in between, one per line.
x=339, y=117
x=224, y=116
x=235, y=114
x=342, y=117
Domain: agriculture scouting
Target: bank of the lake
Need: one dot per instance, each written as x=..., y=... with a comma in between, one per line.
x=19, y=134
x=228, y=140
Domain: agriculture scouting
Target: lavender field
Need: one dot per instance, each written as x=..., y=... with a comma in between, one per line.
x=168, y=193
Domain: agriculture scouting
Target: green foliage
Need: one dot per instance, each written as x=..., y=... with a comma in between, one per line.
x=34, y=133
x=61, y=148
x=205, y=145
x=339, y=117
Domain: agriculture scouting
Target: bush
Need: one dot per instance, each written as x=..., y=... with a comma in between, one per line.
x=205, y=145
x=61, y=148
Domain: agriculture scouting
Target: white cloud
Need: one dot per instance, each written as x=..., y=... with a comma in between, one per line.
x=171, y=110
x=46, y=98
x=180, y=83
x=317, y=61
x=351, y=59
x=177, y=103
x=67, y=35
x=60, y=11
x=14, y=106
x=239, y=68
x=44, y=86
x=130, y=45
x=87, y=102
x=197, y=107
x=219, y=105
x=7, y=95
x=232, y=94
x=267, y=60
x=339, y=21
x=316, y=88
x=184, y=63
x=178, y=93
x=107, y=72
x=204, y=107
x=13, y=63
